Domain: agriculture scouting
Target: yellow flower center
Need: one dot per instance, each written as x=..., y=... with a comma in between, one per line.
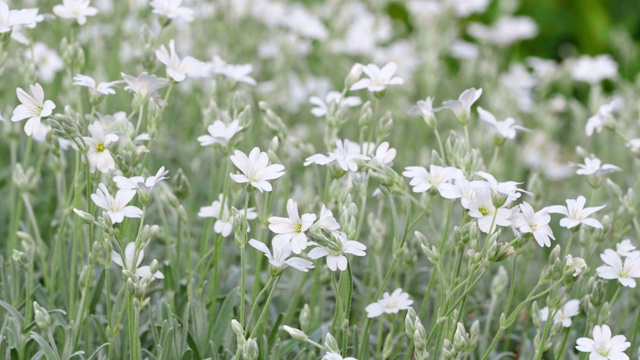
x=483, y=211
x=298, y=228
x=100, y=147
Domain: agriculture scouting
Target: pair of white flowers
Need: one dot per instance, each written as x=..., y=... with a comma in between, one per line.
x=622, y=264
x=291, y=233
x=117, y=208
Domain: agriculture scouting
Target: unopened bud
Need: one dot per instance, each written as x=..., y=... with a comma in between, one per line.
x=43, y=320
x=331, y=344
x=85, y=216
x=181, y=186
x=295, y=333
x=250, y=350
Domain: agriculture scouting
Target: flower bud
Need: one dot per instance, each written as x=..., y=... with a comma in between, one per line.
x=250, y=350
x=499, y=282
x=354, y=75
x=409, y=322
x=295, y=333
x=330, y=344
x=305, y=317
x=85, y=216
x=237, y=327
x=21, y=259
x=387, y=349
x=43, y=320
x=460, y=338
x=181, y=186
x=420, y=337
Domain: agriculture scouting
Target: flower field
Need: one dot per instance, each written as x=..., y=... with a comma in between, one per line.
x=339, y=179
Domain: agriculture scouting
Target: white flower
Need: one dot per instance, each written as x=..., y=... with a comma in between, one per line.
x=437, y=177
x=335, y=356
x=9, y=19
x=95, y=90
x=47, y=61
x=335, y=254
x=535, y=223
x=139, y=182
x=563, y=316
x=627, y=249
x=326, y=221
x=505, y=31
x=255, y=169
x=634, y=145
x=425, y=109
x=462, y=106
x=594, y=69
x=389, y=304
x=463, y=50
x=144, y=85
x=33, y=107
x=577, y=265
x=116, y=208
x=220, y=133
x=384, y=154
x=178, y=69
x=235, y=73
x=333, y=98
x=593, y=166
x=576, y=213
x=292, y=229
x=99, y=155
x=464, y=8
x=486, y=213
x=502, y=192
x=224, y=218
x=280, y=258
x=603, y=346
x=378, y=79
x=506, y=128
x=171, y=9
x=605, y=114
x=346, y=154
x=75, y=9
x=615, y=268
x=129, y=254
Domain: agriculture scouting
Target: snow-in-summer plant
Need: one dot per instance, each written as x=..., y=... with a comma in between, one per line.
x=231, y=180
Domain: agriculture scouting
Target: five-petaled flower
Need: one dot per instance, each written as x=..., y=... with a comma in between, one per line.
x=576, y=213
x=389, y=304
x=280, y=258
x=75, y=9
x=97, y=151
x=336, y=252
x=117, y=208
x=603, y=346
x=127, y=264
x=378, y=79
x=33, y=107
x=224, y=218
x=462, y=107
x=616, y=268
x=255, y=169
x=292, y=229
x=220, y=133
x=563, y=316
x=178, y=69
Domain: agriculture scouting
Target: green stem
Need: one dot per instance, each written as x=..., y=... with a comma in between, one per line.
x=266, y=287
x=134, y=344
x=242, y=283
x=560, y=354
x=265, y=310
x=545, y=334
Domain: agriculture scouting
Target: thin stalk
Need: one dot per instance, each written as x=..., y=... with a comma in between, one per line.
x=265, y=310
x=266, y=287
x=134, y=344
x=545, y=334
